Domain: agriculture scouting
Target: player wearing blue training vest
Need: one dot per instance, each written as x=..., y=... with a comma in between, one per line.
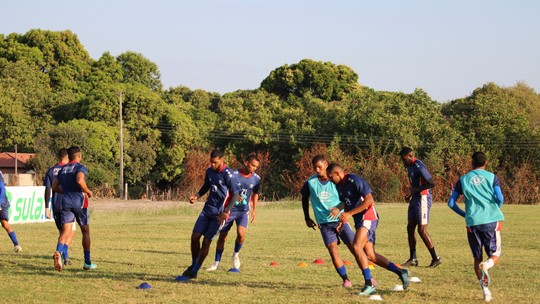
x=219, y=181
x=56, y=199
x=420, y=200
x=4, y=215
x=248, y=182
x=324, y=197
x=357, y=201
x=71, y=183
x=483, y=201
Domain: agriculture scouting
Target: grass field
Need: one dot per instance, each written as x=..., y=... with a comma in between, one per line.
x=132, y=246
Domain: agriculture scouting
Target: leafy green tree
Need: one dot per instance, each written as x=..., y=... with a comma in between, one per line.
x=138, y=69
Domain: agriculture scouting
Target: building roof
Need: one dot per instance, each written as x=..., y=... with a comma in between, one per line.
x=7, y=159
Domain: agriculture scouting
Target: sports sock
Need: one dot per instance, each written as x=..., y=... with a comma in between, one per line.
x=60, y=247
x=393, y=268
x=196, y=267
x=87, y=259
x=219, y=252
x=13, y=238
x=489, y=263
x=433, y=253
x=342, y=271
x=367, y=276
x=413, y=254
x=237, y=247
x=66, y=251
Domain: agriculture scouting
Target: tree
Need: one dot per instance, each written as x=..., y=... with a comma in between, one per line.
x=138, y=69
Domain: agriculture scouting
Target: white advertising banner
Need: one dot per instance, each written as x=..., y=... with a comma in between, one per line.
x=26, y=204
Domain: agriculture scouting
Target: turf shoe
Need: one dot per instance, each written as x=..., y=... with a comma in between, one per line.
x=367, y=290
x=436, y=262
x=410, y=262
x=187, y=271
x=17, y=249
x=89, y=266
x=186, y=277
x=487, y=294
x=347, y=283
x=236, y=261
x=57, y=256
x=214, y=267
x=484, y=278
x=67, y=262
x=404, y=277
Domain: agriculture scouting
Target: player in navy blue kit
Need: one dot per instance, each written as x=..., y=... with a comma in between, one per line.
x=71, y=183
x=219, y=181
x=420, y=198
x=248, y=182
x=357, y=201
x=4, y=215
x=56, y=199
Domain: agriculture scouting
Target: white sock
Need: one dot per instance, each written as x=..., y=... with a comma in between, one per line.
x=489, y=263
x=235, y=255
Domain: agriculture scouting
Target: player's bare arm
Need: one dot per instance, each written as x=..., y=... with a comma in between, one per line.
x=254, y=201
x=366, y=203
x=82, y=183
x=56, y=186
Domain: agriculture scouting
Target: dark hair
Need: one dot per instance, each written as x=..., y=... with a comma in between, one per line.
x=251, y=157
x=62, y=153
x=72, y=151
x=216, y=153
x=317, y=159
x=333, y=166
x=405, y=151
x=479, y=159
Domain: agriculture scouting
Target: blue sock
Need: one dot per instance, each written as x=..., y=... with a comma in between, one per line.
x=219, y=252
x=342, y=271
x=87, y=259
x=196, y=267
x=237, y=247
x=367, y=274
x=393, y=268
x=60, y=247
x=66, y=253
x=13, y=238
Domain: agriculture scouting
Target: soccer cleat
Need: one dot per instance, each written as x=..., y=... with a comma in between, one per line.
x=367, y=290
x=487, y=294
x=410, y=262
x=436, y=262
x=57, y=256
x=214, y=267
x=67, y=262
x=186, y=277
x=484, y=279
x=404, y=277
x=347, y=283
x=236, y=261
x=89, y=266
x=17, y=249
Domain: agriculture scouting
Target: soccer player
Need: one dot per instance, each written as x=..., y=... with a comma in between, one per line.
x=50, y=175
x=357, y=201
x=4, y=215
x=71, y=183
x=324, y=197
x=219, y=181
x=483, y=201
x=248, y=182
x=420, y=199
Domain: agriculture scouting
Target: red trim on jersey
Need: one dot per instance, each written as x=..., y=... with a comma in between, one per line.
x=61, y=164
x=371, y=214
x=222, y=168
x=245, y=175
x=499, y=226
x=73, y=162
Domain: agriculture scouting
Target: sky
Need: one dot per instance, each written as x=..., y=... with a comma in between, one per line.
x=446, y=48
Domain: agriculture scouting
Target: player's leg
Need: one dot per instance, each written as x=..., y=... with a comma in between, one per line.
x=83, y=219
x=220, y=244
x=330, y=239
x=241, y=229
x=382, y=261
x=411, y=230
x=423, y=220
x=67, y=218
x=199, y=229
x=4, y=217
x=360, y=240
x=474, y=236
x=69, y=240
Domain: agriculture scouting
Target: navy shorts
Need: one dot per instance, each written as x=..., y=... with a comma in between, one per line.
x=4, y=215
x=206, y=225
x=57, y=215
x=371, y=226
x=80, y=215
x=487, y=236
x=419, y=209
x=330, y=234
x=241, y=217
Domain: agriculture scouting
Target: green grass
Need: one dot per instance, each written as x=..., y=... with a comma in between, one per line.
x=131, y=247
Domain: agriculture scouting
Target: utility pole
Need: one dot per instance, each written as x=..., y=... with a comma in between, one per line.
x=121, y=181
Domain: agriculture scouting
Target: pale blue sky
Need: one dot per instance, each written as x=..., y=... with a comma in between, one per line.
x=447, y=48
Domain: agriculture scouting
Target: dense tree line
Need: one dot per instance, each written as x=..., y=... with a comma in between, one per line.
x=52, y=94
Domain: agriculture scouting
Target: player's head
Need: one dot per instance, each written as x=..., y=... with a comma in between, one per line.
x=479, y=159
x=62, y=155
x=251, y=164
x=216, y=159
x=320, y=164
x=74, y=153
x=335, y=173
x=407, y=156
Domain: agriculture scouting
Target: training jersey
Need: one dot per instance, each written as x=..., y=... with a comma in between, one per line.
x=221, y=187
x=323, y=196
x=4, y=202
x=418, y=175
x=72, y=194
x=352, y=190
x=481, y=206
x=247, y=185
x=50, y=175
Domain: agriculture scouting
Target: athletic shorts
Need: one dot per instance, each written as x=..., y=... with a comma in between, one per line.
x=330, y=234
x=487, y=236
x=206, y=225
x=371, y=226
x=4, y=215
x=419, y=209
x=241, y=217
x=79, y=215
x=58, y=221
